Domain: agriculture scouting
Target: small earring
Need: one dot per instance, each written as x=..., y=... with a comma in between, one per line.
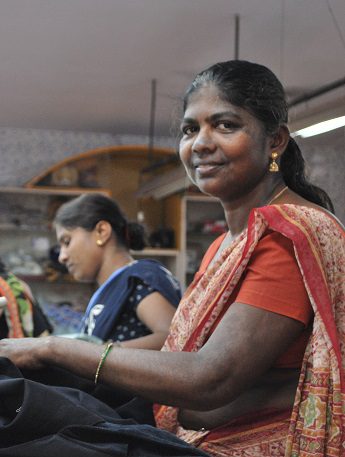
x=274, y=167
x=99, y=243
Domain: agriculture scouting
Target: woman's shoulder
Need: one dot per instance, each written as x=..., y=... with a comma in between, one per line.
x=310, y=214
x=147, y=265
x=154, y=273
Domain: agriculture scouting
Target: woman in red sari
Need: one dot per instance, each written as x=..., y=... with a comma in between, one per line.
x=254, y=362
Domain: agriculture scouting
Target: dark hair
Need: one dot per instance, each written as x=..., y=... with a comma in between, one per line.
x=255, y=88
x=87, y=210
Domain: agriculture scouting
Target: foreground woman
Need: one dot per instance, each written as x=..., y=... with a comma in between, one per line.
x=254, y=362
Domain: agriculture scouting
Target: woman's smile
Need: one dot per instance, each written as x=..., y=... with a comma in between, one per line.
x=207, y=169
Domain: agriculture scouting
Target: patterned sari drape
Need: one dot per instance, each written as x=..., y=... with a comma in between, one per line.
x=317, y=424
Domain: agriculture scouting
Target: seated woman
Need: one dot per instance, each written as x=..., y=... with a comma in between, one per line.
x=136, y=299
x=230, y=379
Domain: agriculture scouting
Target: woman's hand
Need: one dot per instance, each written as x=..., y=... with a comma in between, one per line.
x=24, y=352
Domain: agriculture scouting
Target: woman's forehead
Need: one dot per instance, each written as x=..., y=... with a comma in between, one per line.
x=209, y=100
x=207, y=91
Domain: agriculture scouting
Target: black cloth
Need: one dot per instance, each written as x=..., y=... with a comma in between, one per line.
x=48, y=421
x=59, y=377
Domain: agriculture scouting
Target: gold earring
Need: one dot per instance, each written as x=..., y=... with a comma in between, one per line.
x=274, y=167
x=99, y=243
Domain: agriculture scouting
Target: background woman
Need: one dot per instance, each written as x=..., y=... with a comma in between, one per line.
x=268, y=291
x=135, y=300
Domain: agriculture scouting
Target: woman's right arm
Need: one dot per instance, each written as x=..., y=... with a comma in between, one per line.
x=244, y=346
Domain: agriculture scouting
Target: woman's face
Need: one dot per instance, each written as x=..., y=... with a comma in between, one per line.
x=224, y=148
x=79, y=252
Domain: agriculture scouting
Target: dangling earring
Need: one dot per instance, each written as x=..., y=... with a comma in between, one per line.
x=99, y=243
x=274, y=167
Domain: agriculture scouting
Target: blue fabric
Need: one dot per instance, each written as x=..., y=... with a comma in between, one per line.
x=114, y=293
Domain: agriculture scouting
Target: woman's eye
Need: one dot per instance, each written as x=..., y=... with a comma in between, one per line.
x=226, y=125
x=189, y=130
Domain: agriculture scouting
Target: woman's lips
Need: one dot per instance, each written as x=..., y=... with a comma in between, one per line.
x=207, y=169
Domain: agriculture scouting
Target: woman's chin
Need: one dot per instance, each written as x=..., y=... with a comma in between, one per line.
x=78, y=277
x=206, y=186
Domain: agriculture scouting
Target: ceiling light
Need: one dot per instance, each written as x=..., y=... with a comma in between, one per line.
x=321, y=127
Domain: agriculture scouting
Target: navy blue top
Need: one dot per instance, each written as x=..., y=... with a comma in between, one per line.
x=111, y=312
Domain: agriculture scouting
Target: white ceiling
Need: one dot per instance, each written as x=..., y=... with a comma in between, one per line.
x=88, y=64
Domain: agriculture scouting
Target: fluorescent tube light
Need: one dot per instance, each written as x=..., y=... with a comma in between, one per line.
x=321, y=127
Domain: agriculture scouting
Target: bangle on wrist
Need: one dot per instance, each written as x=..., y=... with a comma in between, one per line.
x=102, y=359
x=104, y=355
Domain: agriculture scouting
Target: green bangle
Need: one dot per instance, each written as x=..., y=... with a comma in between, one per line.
x=103, y=357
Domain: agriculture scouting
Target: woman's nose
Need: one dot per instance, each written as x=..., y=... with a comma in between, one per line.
x=62, y=256
x=203, y=142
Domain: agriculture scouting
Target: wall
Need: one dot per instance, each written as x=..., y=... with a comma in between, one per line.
x=25, y=153
x=325, y=159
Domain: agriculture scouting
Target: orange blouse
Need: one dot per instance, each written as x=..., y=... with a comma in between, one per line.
x=273, y=281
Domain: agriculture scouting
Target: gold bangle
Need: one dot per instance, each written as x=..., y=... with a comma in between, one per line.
x=102, y=359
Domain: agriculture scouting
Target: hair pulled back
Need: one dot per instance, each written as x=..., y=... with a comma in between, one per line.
x=87, y=210
x=256, y=89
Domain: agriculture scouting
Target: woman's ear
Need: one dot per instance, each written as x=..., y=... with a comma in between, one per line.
x=103, y=232
x=279, y=140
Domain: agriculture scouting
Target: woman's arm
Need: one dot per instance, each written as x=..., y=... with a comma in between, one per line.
x=243, y=347
x=156, y=312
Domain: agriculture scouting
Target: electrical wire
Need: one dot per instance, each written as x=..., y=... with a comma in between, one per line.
x=282, y=42
x=342, y=38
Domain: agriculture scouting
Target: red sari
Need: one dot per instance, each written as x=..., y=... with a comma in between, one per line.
x=316, y=426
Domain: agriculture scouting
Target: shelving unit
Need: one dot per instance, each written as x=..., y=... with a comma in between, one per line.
x=197, y=220
x=202, y=222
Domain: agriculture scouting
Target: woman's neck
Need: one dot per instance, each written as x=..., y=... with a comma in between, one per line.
x=113, y=261
x=237, y=211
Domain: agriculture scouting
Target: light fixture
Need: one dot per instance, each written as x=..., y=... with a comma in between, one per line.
x=321, y=127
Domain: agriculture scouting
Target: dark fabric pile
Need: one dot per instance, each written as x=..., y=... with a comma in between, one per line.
x=53, y=421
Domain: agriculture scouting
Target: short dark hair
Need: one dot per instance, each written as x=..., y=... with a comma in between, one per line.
x=87, y=210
